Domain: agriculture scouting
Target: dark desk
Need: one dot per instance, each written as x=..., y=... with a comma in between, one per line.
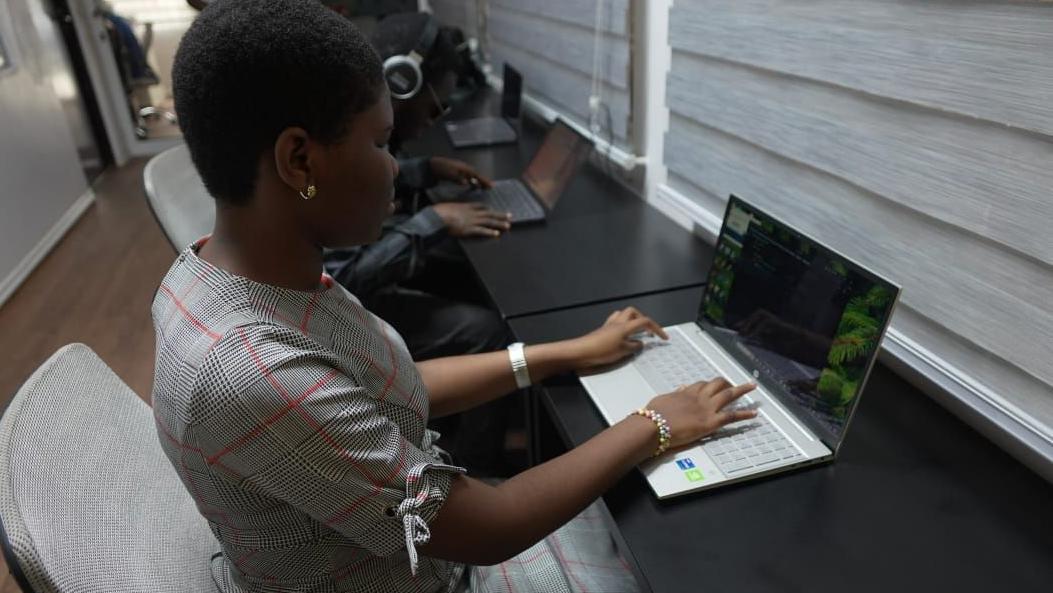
x=601, y=242
x=917, y=501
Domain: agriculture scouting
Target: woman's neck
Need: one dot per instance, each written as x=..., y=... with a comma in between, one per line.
x=264, y=248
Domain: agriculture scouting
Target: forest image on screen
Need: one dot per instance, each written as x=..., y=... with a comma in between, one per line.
x=796, y=312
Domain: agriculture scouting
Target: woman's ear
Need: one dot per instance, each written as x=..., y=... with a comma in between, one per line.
x=293, y=158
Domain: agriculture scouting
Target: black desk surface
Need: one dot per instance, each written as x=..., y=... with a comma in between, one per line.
x=916, y=501
x=600, y=242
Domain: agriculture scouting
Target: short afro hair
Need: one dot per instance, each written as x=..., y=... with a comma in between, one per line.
x=399, y=34
x=248, y=69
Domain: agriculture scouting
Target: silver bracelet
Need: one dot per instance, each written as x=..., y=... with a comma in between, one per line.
x=519, y=365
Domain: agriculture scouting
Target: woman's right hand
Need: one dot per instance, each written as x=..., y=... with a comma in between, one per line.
x=698, y=410
x=471, y=219
x=485, y=524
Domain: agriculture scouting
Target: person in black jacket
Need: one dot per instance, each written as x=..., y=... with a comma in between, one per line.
x=435, y=319
x=415, y=276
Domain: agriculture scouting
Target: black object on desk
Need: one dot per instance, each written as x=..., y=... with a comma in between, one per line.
x=916, y=500
x=538, y=189
x=488, y=131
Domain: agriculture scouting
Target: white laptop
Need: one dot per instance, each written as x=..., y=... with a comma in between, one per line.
x=802, y=321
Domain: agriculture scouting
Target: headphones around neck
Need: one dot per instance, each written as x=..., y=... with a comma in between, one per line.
x=403, y=71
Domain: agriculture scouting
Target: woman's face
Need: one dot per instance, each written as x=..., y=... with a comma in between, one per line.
x=356, y=180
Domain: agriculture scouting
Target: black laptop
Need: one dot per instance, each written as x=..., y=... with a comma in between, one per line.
x=541, y=184
x=487, y=131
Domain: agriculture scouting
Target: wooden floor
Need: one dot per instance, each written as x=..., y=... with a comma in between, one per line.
x=95, y=287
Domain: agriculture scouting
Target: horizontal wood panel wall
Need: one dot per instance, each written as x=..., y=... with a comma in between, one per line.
x=551, y=43
x=916, y=137
x=457, y=13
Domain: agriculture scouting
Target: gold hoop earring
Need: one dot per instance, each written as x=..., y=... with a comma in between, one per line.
x=312, y=191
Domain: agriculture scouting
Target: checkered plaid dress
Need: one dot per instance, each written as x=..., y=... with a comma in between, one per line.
x=297, y=421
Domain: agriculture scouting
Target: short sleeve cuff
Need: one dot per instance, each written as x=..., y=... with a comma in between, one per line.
x=427, y=486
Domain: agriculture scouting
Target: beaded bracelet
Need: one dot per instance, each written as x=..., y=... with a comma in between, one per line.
x=663, y=429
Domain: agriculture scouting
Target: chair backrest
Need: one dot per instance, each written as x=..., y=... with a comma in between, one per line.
x=88, y=500
x=178, y=197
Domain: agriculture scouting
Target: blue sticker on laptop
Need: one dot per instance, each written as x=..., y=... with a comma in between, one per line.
x=685, y=464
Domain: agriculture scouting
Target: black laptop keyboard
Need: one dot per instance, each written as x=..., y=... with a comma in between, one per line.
x=513, y=197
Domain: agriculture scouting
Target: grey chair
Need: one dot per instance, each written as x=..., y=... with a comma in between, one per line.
x=129, y=53
x=88, y=500
x=178, y=198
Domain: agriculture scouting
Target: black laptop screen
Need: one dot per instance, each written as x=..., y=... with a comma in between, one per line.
x=806, y=321
x=511, y=92
x=562, y=153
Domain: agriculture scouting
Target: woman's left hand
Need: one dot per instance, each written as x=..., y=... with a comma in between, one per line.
x=458, y=172
x=615, y=339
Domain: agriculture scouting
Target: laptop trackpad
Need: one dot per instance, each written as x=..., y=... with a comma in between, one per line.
x=618, y=392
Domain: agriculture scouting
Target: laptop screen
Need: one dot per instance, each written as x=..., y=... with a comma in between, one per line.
x=555, y=163
x=804, y=320
x=511, y=92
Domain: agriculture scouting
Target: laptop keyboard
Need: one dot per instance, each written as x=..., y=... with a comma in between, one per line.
x=752, y=446
x=736, y=448
x=669, y=364
x=511, y=196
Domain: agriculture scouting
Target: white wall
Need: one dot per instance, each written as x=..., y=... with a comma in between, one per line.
x=42, y=187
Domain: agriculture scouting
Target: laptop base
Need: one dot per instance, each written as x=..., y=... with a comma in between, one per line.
x=619, y=390
x=482, y=131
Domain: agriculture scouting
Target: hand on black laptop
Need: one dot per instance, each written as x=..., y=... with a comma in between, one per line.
x=472, y=220
x=614, y=340
x=698, y=410
x=445, y=169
